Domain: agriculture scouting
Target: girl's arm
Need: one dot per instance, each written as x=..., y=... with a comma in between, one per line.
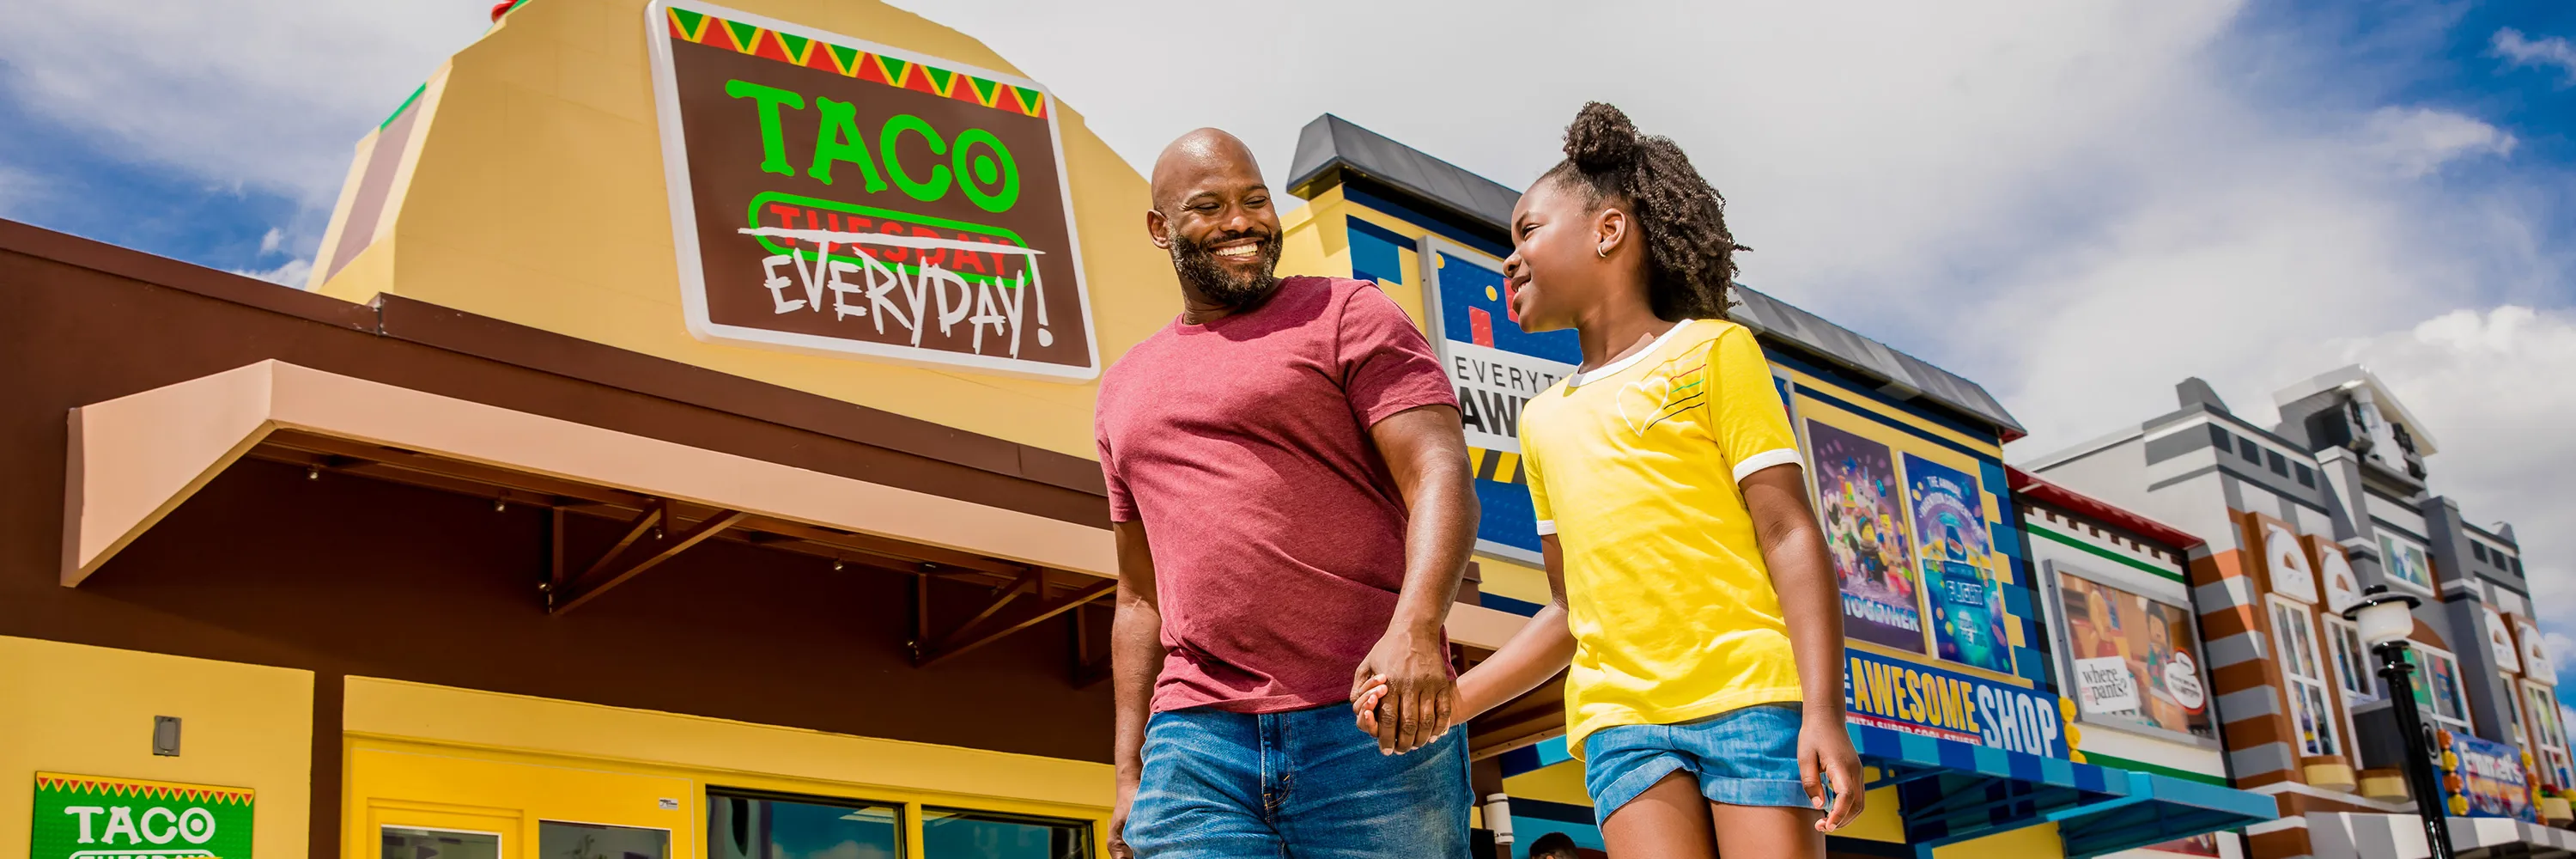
x=1810, y=603
x=1543, y=647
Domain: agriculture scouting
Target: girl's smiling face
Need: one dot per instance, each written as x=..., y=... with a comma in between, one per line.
x=1555, y=270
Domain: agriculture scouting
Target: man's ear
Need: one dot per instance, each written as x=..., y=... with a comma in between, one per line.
x=1159, y=228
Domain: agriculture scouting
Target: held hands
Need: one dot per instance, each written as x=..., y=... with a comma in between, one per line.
x=1402, y=693
x=1826, y=759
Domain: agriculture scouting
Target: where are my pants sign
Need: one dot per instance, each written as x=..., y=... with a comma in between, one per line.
x=93, y=817
x=833, y=195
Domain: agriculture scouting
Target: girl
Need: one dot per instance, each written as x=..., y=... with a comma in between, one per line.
x=1692, y=596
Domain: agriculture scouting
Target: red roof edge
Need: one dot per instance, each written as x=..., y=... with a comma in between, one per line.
x=2029, y=484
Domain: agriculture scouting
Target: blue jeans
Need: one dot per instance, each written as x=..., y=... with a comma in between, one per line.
x=1304, y=784
x=1745, y=756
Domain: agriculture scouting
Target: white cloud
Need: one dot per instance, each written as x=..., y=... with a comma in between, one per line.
x=2075, y=204
x=269, y=241
x=266, y=93
x=2419, y=140
x=2492, y=386
x=2553, y=51
x=293, y=273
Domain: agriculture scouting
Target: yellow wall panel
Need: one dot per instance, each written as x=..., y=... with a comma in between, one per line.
x=663, y=742
x=82, y=710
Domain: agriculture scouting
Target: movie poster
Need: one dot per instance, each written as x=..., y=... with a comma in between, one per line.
x=1864, y=517
x=1958, y=558
x=2133, y=658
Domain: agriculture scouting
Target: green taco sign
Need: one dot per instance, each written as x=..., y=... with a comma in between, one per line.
x=838, y=196
x=92, y=817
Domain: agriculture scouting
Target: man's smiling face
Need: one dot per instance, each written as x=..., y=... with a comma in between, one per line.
x=1213, y=213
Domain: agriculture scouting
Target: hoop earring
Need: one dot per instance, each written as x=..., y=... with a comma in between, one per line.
x=1603, y=251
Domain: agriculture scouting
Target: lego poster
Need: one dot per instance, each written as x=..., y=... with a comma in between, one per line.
x=1863, y=512
x=2134, y=658
x=1958, y=554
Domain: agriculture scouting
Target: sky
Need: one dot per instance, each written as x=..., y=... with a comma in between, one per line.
x=2076, y=204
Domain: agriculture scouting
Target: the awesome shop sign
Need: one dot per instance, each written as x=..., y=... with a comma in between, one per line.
x=1917, y=698
x=832, y=195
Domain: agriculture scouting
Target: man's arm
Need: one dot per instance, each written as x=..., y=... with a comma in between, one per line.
x=1135, y=659
x=1426, y=450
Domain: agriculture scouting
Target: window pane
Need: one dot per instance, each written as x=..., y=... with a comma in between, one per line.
x=759, y=828
x=402, y=842
x=950, y=834
x=558, y=840
x=2251, y=453
x=2446, y=690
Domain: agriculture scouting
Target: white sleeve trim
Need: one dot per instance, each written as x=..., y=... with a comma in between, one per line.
x=1546, y=527
x=1765, y=459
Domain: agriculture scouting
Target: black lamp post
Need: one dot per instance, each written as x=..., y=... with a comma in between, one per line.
x=2386, y=620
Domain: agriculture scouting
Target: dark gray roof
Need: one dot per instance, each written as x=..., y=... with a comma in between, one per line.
x=1331, y=146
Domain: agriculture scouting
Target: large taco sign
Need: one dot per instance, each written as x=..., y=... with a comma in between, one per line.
x=833, y=195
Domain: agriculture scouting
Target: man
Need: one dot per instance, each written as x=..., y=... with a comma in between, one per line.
x=1293, y=449
x=1554, y=845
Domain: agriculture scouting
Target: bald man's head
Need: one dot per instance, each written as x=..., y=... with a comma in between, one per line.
x=1213, y=213
x=1188, y=159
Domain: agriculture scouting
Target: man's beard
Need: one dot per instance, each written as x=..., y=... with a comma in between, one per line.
x=1198, y=268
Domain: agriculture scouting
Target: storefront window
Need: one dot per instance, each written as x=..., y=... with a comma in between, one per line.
x=953, y=834
x=2439, y=690
x=558, y=840
x=752, y=827
x=2405, y=562
x=2548, y=736
x=2134, y=658
x=2351, y=661
x=404, y=842
x=2310, y=704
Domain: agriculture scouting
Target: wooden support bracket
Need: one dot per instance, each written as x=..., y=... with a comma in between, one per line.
x=648, y=542
x=987, y=626
x=1087, y=668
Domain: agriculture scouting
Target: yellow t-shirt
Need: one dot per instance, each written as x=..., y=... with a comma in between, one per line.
x=1634, y=467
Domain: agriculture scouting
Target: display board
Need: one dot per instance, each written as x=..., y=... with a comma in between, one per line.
x=1861, y=506
x=1952, y=538
x=2485, y=778
x=1496, y=368
x=829, y=194
x=98, y=817
x=2134, y=658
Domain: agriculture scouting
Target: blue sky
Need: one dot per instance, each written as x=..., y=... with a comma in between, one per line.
x=2075, y=204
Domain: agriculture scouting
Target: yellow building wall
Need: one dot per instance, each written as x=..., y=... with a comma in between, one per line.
x=536, y=195
x=443, y=757
x=83, y=710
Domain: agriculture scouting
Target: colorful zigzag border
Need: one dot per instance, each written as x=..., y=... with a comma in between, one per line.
x=143, y=789
x=703, y=29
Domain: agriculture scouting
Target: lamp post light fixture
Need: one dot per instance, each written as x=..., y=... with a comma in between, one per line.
x=2386, y=620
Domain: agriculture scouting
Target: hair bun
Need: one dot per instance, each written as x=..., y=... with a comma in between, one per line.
x=1601, y=139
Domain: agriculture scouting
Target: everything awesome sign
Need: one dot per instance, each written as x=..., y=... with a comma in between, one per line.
x=833, y=195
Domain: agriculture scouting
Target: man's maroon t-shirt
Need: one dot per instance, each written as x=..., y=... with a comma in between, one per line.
x=1278, y=534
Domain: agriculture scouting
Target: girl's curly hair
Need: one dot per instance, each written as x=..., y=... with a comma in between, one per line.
x=1690, y=255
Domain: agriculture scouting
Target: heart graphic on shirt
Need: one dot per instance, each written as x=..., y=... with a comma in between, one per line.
x=1640, y=401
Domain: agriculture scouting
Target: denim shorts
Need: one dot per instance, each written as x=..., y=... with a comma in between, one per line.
x=1305, y=783
x=1745, y=756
